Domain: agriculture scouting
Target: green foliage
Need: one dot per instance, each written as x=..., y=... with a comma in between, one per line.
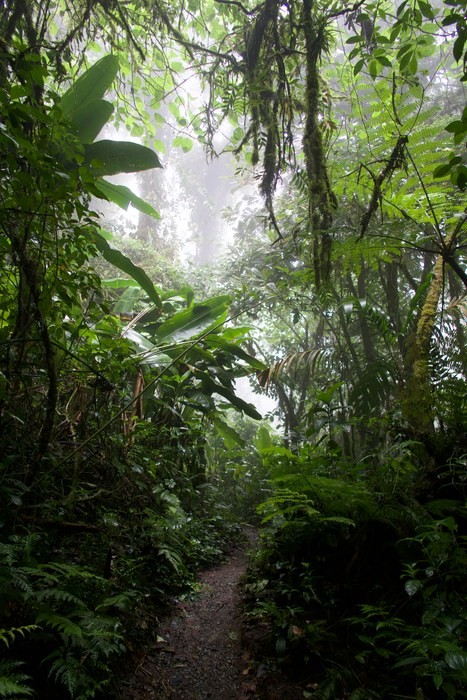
x=68, y=605
x=332, y=547
x=104, y=419
x=194, y=320
x=12, y=680
x=125, y=265
x=85, y=397
x=426, y=639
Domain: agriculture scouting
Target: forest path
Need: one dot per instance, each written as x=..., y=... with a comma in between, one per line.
x=201, y=656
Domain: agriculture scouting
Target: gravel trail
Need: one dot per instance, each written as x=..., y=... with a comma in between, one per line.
x=199, y=656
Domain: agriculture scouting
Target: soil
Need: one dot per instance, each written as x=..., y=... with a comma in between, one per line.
x=199, y=654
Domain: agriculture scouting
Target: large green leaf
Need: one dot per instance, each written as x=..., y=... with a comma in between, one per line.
x=92, y=85
x=127, y=301
x=233, y=349
x=149, y=354
x=140, y=341
x=115, y=257
x=229, y=435
x=122, y=196
x=119, y=283
x=197, y=319
x=90, y=119
x=263, y=438
x=212, y=387
x=112, y=157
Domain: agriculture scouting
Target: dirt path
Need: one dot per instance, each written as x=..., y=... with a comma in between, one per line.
x=200, y=656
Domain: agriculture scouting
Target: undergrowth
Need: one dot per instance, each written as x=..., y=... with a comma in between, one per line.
x=362, y=589
x=72, y=603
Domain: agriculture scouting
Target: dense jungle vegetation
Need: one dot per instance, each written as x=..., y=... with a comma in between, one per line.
x=128, y=458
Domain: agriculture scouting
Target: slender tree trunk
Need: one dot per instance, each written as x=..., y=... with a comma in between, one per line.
x=417, y=399
x=389, y=273
x=367, y=339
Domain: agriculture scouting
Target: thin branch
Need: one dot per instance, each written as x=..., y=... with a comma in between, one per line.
x=427, y=197
x=241, y=7
x=346, y=11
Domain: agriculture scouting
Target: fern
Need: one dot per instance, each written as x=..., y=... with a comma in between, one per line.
x=8, y=636
x=62, y=597
x=286, y=504
x=58, y=595
x=55, y=571
x=427, y=144
x=69, y=671
x=88, y=637
x=374, y=387
x=121, y=601
x=172, y=557
x=12, y=682
x=70, y=630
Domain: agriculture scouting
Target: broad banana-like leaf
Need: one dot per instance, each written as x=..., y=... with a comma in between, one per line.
x=112, y=157
x=90, y=119
x=115, y=257
x=197, y=319
x=149, y=353
x=156, y=359
x=198, y=400
x=236, y=334
x=127, y=301
x=211, y=387
x=141, y=342
x=122, y=196
x=233, y=349
x=229, y=435
x=84, y=105
x=183, y=294
x=91, y=85
x=119, y=283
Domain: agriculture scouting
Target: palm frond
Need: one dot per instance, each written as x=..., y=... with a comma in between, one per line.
x=308, y=358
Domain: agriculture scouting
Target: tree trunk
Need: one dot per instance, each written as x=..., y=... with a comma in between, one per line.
x=417, y=400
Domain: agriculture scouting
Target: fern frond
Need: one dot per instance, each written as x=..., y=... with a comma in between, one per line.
x=104, y=636
x=121, y=601
x=71, y=630
x=339, y=520
x=333, y=497
x=172, y=557
x=12, y=682
x=59, y=595
x=68, y=671
x=285, y=504
x=56, y=569
x=374, y=387
x=410, y=183
x=294, y=481
x=7, y=636
x=10, y=688
x=458, y=306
